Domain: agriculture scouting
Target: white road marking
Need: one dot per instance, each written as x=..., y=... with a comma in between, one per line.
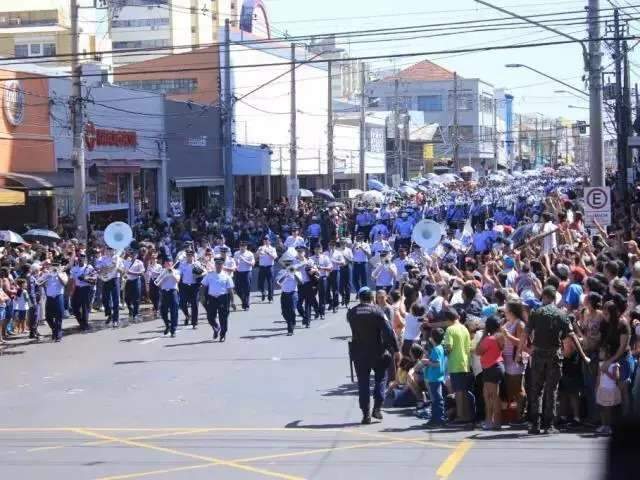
x=149, y=340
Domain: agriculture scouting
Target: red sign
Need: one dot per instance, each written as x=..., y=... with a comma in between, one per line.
x=108, y=138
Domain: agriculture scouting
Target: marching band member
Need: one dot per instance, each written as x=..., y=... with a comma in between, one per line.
x=400, y=262
x=314, y=230
x=154, y=269
x=385, y=274
x=84, y=279
x=266, y=256
x=361, y=254
x=54, y=281
x=380, y=244
x=305, y=289
x=230, y=267
x=379, y=228
x=345, y=273
x=245, y=261
x=294, y=240
x=289, y=279
x=133, y=271
x=167, y=281
x=207, y=260
x=219, y=246
x=109, y=267
x=190, y=275
x=217, y=286
x=338, y=261
x=324, y=266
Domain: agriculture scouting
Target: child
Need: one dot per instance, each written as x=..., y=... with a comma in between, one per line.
x=412, y=328
x=607, y=391
x=21, y=306
x=399, y=392
x=434, y=377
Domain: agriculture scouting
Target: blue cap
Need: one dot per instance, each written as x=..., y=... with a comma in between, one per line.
x=509, y=262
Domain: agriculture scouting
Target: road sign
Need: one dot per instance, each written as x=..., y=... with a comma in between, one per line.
x=597, y=205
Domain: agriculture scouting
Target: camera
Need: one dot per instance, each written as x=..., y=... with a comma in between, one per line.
x=291, y=269
x=387, y=262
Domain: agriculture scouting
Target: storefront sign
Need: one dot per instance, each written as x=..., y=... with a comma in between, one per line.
x=13, y=102
x=100, y=137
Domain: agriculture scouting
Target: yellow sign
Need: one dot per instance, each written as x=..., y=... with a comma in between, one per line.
x=427, y=156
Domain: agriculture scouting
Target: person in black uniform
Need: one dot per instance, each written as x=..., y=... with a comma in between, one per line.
x=373, y=345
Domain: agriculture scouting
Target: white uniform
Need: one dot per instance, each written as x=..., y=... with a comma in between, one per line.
x=289, y=281
x=267, y=256
x=133, y=268
x=217, y=283
x=385, y=275
x=54, y=285
x=361, y=252
x=186, y=272
x=78, y=271
x=112, y=263
x=170, y=281
x=245, y=260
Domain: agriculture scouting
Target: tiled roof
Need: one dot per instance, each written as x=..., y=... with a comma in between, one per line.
x=423, y=71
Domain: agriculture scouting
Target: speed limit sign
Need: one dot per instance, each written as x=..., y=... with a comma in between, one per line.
x=597, y=206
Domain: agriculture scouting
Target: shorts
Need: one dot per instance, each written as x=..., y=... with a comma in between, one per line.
x=493, y=374
x=513, y=387
x=20, y=314
x=461, y=381
x=608, y=397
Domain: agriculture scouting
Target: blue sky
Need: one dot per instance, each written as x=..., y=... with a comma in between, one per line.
x=533, y=93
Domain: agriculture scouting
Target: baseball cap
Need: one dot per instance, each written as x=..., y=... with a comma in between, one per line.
x=364, y=290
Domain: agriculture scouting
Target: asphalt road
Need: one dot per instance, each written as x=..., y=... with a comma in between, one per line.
x=131, y=403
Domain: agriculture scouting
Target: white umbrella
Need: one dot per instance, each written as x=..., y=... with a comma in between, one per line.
x=468, y=169
x=407, y=190
x=372, y=196
x=354, y=193
x=304, y=193
x=11, y=237
x=42, y=233
x=448, y=178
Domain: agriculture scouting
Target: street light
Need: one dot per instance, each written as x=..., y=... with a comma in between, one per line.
x=567, y=92
x=520, y=65
x=577, y=107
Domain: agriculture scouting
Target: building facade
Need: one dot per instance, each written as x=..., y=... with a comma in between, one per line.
x=42, y=28
x=125, y=151
x=465, y=111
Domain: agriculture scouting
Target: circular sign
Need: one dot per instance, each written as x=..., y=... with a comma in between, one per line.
x=90, y=136
x=597, y=198
x=13, y=102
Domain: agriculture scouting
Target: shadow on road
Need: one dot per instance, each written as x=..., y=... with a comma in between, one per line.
x=344, y=338
x=297, y=424
x=347, y=389
x=188, y=344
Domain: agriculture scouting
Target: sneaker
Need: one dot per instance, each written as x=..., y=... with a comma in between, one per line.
x=487, y=426
x=215, y=334
x=173, y=334
x=366, y=419
x=423, y=413
x=223, y=338
x=166, y=330
x=434, y=424
x=551, y=431
x=534, y=430
x=195, y=327
x=289, y=334
x=603, y=430
x=377, y=414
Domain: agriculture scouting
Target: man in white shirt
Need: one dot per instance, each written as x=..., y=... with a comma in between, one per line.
x=337, y=261
x=400, y=263
x=154, y=269
x=345, y=273
x=385, y=274
x=190, y=275
x=245, y=261
x=361, y=255
x=549, y=242
x=324, y=266
x=289, y=279
x=167, y=282
x=54, y=284
x=266, y=255
x=230, y=267
x=216, y=289
x=294, y=240
x=134, y=269
x=109, y=267
x=220, y=245
x=84, y=281
x=379, y=245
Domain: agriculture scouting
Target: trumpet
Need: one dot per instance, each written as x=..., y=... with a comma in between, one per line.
x=162, y=276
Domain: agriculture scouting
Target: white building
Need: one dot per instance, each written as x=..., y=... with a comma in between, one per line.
x=429, y=88
x=172, y=26
x=42, y=28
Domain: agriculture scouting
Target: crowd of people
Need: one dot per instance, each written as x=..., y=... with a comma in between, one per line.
x=519, y=313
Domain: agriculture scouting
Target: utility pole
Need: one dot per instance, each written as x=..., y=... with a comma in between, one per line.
x=229, y=189
x=621, y=182
x=566, y=145
x=405, y=151
x=637, y=102
x=79, y=172
x=520, y=139
x=456, y=166
x=626, y=110
x=596, y=166
x=396, y=143
x=293, y=147
x=495, y=134
x=535, y=150
x=362, y=175
x=330, y=160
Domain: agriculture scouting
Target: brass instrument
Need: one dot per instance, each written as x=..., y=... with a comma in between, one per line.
x=117, y=235
x=162, y=276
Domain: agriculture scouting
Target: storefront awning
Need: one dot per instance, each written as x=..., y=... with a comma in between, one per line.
x=199, y=182
x=11, y=198
x=40, y=183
